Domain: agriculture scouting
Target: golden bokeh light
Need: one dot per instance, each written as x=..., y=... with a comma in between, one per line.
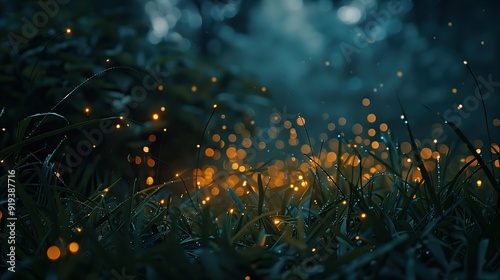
x=209, y=152
x=246, y=143
x=305, y=149
x=371, y=118
x=73, y=247
x=239, y=191
x=357, y=129
x=342, y=121
x=215, y=191
x=231, y=138
x=53, y=253
x=426, y=153
x=301, y=121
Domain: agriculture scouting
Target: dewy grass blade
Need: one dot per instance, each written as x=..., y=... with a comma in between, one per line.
x=484, y=113
x=485, y=169
x=327, y=175
x=236, y=200
x=262, y=194
x=22, y=143
x=199, y=151
x=244, y=228
x=187, y=193
x=416, y=153
x=75, y=89
x=473, y=151
x=33, y=75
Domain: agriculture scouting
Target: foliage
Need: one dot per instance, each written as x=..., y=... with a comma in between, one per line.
x=405, y=221
x=441, y=225
x=103, y=67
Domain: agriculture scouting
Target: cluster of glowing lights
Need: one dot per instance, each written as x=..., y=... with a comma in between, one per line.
x=231, y=146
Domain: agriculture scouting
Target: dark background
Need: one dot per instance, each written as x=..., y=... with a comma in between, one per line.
x=293, y=48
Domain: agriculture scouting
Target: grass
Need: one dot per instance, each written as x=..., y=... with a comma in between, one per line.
x=340, y=226
x=411, y=217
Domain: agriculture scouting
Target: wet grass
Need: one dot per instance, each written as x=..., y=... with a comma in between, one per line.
x=444, y=224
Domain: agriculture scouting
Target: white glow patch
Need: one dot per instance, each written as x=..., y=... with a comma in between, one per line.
x=160, y=26
x=349, y=14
